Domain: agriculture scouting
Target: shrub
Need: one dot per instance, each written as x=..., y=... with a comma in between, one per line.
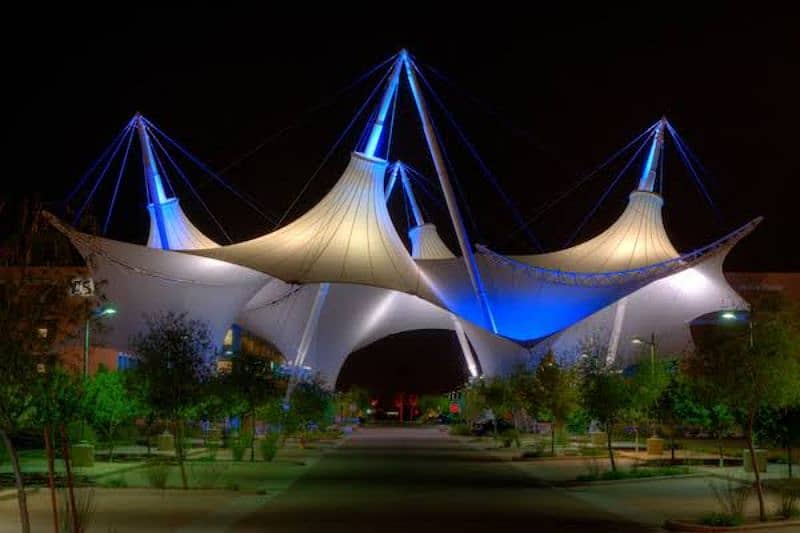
x=206, y=474
x=731, y=497
x=74, y=432
x=84, y=509
x=508, y=436
x=788, y=497
x=238, y=447
x=721, y=520
x=116, y=483
x=269, y=446
x=157, y=473
x=460, y=430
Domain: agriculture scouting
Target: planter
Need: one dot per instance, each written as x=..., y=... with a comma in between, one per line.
x=598, y=438
x=761, y=460
x=82, y=454
x=655, y=446
x=165, y=442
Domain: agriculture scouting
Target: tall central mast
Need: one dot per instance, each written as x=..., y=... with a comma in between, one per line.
x=648, y=180
x=155, y=186
x=449, y=195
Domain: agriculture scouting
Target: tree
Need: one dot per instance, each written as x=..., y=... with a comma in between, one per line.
x=752, y=368
x=647, y=385
x=250, y=384
x=173, y=359
x=605, y=395
x=781, y=427
x=57, y=402
x=108, y=404
x=310, y=404
x=37, y=318
x=556, y=394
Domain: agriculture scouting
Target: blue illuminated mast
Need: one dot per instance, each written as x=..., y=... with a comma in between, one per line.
x=449, y=195
x=157, y=195
x=648, y=180
x=383, y=108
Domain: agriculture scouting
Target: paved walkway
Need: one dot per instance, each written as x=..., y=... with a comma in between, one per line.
x=418, y=479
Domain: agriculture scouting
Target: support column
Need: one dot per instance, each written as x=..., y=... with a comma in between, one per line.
x=648, y=180
x=155, y=185
x=412, y=200
x=449, y=195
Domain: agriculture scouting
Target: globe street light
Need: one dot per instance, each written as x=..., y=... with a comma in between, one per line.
x=652, y=344
x=731, y=315
x=96, y=315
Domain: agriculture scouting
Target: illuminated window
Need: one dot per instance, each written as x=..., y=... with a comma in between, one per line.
x=42, y=333
x=228, y=341
x=126, y=362
x=224, y=366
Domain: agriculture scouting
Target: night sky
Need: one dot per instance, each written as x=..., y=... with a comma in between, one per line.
x=544, y=97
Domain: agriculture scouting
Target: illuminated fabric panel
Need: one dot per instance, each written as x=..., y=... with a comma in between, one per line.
x=348, y=237
x=635, y=240
x=426, y=243
x=141, y=281
x=181, y=233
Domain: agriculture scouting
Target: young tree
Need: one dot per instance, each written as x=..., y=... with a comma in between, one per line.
x=250, y=384
x=753, y=368
x=556, y=394
x=173, y=359
x=107, y=404
x=647, y=385
x=57, y=402
x=605, y=395
x=37, y=318
x=310, y=404
x=781, y=427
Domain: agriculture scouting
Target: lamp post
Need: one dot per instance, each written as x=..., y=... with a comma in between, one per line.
x=652, y=344
x=96, y=315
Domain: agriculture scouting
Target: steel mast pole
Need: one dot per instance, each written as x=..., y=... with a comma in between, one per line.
x=449, y=195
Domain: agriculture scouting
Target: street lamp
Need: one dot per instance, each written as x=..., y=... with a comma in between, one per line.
x=731, y=315
x=652, y=344
x=97, y=314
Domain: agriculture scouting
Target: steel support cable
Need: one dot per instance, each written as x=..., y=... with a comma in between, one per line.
x=334, y=147
x=188, y=183
x=308, y=113
x=98, y=181
x=698, y=181
x=122, y=166
x=97, y=162
x=482, y=164
x=202, y=166
x=606, y=193
x=547, y=206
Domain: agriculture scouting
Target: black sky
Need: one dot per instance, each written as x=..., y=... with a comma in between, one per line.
x=566, y=89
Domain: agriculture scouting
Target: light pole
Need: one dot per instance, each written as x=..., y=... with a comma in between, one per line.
x=96, y=315
x=652, y=344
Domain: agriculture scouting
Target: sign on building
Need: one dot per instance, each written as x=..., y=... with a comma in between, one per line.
x=81, y=287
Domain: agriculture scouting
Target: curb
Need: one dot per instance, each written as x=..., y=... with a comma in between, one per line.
x=679, y=525
x=631, y=480
x=11, y=494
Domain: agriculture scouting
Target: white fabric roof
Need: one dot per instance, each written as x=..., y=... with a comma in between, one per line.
x=181, y=233
x=635, y=240
x=348, y=237
x=141, y=281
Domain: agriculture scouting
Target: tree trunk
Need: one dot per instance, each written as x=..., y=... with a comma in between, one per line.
x=636, y=438
x=76, y=526
x=179, y=452
x=789, y=457
x=610, y=449
x=24, y=518
x=672, y=447
x=48, y=445
x=759, y=489
x=553, y=440
x=721, y=451
x=253, y=436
